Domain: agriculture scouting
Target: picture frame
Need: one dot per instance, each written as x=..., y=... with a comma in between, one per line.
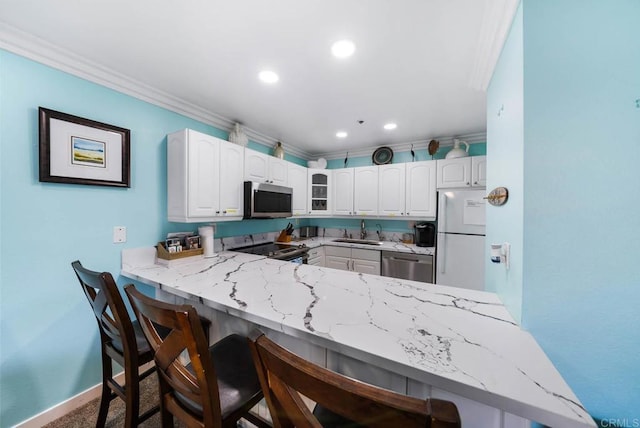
x=75, y=150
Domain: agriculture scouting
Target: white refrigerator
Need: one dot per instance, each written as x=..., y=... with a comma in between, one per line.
x=460, y=245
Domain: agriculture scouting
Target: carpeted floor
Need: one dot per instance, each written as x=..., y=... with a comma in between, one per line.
x=86, y=415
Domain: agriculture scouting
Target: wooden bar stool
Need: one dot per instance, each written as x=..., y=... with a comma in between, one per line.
x=340, y=401
x=217, y=386
x=121, y=340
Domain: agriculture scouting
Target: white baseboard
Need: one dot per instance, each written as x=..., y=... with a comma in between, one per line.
x=69, y=405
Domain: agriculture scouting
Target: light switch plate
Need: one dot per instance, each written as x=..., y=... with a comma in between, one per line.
x=119, y=234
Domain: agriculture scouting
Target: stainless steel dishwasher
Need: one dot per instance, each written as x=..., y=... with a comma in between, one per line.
x=416, y=267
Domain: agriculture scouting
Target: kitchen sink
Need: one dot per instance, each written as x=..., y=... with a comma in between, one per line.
x=357, y=241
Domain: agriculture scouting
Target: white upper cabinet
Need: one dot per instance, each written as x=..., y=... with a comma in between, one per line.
x=391, y=190
x=204, y=178
x=319, y=183
x=365, y=191
x=462, y=172
x=343, y=191
x=297, y=180
x=479, y=171
x=263, y=168
x=231, y=188
x=421, y=200
x=454, y=172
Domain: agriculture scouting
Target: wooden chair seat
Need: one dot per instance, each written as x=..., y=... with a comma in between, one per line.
x=237, y=385
x=340, y=401
x=216, y=386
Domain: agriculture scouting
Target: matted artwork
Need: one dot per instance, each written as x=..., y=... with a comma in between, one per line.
x=82, y=151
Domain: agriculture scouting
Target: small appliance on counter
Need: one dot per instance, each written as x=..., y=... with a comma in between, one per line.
x=425, y=234
x=298, y=254
x=308, y=231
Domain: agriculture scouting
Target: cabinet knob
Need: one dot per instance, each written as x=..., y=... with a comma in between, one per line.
x=217, y=212
x=475, y=182
x=467, y=183
x=224, y=212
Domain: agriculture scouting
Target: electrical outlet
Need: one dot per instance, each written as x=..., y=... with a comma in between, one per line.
x=119, y=234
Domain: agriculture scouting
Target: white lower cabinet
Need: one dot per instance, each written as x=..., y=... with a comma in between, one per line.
x=353, y=259
x=316, y=256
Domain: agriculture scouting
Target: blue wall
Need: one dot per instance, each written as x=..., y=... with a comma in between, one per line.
x=580, y=163
x=505, y=124
x=49, y=338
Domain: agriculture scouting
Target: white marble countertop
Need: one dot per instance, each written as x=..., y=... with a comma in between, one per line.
x=384, y=245
x=459, y=340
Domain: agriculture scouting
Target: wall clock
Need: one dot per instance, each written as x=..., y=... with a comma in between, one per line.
x=498, y=196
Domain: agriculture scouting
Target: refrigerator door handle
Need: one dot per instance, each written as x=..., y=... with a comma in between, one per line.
x=442, y=258
x=441, y=244
x=442, y=213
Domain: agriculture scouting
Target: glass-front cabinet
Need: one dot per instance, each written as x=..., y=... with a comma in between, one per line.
x=319, y=182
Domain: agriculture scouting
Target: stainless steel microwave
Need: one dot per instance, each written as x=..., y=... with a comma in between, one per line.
x=263, y=200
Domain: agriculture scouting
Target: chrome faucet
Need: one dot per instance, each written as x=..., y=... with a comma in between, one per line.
x=363, y=231
x=379, y=231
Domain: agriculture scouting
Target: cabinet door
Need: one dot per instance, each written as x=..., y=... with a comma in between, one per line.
x=365, y=261
x=203, y=186
x=454, y=172
x=343, y=191
x=479, y=171
x=391, y=190
x=231, y=189
x=256, y=166
x=319, y=194
x=316, y=256
x=366, y=266
x=335, y=262
x=297, y=180
x=277, y=171
x=421, y=189
x=365, y=191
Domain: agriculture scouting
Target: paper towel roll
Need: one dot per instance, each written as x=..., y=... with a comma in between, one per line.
x=206, y=239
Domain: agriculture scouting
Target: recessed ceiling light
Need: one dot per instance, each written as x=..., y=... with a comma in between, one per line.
x=341, y=134
x=390, y=126
x=343, y=48
x=268, y=76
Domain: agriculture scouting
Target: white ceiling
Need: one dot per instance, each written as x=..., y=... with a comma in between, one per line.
x=423, y=64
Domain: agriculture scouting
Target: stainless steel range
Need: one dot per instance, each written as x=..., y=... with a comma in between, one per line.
x=292, y=253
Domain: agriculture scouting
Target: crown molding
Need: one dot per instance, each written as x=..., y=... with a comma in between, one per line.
x=268, y=141
x=478, y=137
x=496, y=22
x=44, y=52
x=39, y=50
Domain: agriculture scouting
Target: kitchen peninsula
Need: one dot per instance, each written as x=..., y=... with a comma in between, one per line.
x=416, y=338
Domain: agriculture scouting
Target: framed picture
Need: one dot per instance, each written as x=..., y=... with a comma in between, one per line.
x=81, y=151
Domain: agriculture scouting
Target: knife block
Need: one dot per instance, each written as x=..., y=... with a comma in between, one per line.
x=283, y=237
